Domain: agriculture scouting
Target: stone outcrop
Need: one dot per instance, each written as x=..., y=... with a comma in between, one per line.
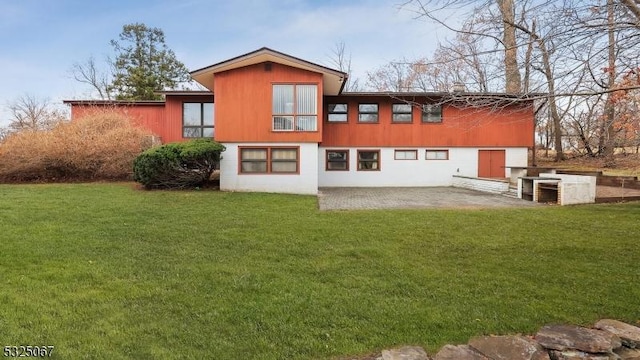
x=630, y=335
x=608, y=340
x=569, y=337
x=405, y=353
x=509, y=348
x=626, y=353
x=459, y=352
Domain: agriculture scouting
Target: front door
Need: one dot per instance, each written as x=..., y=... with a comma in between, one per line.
x=491, y=163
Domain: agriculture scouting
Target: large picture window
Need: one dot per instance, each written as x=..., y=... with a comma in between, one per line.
x=295, y=107
x=197, y=120
x=268, y=160
x=368, y=160
x=337, y=160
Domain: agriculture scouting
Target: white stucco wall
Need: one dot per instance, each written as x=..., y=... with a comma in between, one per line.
x=306, y=182
x=515, y=157
x=420, y=172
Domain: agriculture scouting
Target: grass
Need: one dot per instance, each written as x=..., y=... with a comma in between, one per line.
x=107, y=271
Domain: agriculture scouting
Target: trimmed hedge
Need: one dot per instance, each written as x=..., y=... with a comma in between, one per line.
x=177, y=165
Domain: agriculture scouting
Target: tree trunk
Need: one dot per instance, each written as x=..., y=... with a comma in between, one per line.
x=610, y=111
x=512, y=72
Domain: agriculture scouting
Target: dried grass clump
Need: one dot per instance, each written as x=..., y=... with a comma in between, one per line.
x=100, y=146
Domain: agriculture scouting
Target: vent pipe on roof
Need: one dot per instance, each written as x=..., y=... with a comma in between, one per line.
x=458, y=87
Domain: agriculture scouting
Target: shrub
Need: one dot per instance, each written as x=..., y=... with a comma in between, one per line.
x=177, y=165
x=100, y=146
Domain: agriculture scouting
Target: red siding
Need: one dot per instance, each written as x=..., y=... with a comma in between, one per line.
x=244, y=103
x=466, y=127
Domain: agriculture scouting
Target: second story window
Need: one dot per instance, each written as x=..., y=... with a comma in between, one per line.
x=431, y=113
x=197, y=120
x=402, y=113
x=368, y=113
x=337, y=113
x=295, y=107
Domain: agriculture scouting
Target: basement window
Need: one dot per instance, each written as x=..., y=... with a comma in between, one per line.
x=368, y=160
x=437, y=155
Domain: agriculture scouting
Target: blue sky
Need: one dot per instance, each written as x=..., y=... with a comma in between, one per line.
x=40, y=40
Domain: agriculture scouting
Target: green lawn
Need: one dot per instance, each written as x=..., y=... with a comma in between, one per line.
x=108, y=271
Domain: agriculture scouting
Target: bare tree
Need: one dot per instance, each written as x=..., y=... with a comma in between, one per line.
x=396, y=76
x=30, y=113
x=634, y=8
x=88, y=72
x=342, y=61
x=572, y=54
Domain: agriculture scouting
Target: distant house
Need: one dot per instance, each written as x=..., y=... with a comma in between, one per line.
x=288, y=127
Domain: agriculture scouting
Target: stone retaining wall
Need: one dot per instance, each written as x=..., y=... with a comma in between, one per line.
x=607, y=340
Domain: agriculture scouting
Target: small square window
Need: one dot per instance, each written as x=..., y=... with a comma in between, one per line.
x=368, y=113
x=368, y=160
x=431, y=113
x=253, y=160
x=284, y=160
x=402, y=113
x=337, y=113
x=337, y=160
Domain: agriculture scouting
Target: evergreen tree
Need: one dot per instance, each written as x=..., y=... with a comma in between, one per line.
x=143, y=64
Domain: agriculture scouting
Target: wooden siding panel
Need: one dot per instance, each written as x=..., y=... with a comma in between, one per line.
x=244, y=99
x=509, y=126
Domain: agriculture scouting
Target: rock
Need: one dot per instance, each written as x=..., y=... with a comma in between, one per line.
x=629, y=334
x=628, y=354
x=405, y=353
x=509, y=348
x=460, y=352
x=569, y=337
x=579, y=355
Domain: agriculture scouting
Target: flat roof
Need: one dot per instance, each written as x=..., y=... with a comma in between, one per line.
x=114, y=102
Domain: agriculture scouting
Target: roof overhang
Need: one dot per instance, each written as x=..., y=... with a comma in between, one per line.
x=185, y=93
x=333, y=81
x=114, y=102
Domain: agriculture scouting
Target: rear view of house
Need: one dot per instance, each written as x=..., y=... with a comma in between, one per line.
x=288, y=127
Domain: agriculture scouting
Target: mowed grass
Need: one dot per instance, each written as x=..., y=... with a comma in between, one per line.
x=108, y=271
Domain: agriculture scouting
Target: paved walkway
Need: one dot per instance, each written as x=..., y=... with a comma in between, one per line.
x=413, y=198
